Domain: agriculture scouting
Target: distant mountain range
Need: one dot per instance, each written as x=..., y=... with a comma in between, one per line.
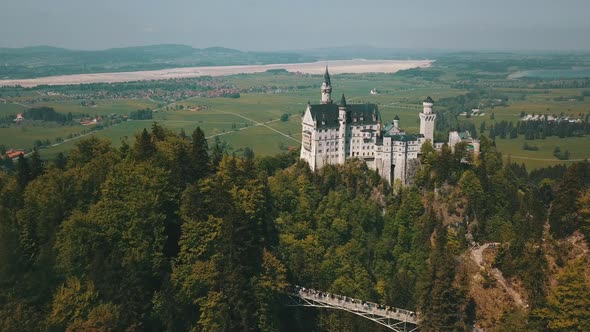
x=42, y=61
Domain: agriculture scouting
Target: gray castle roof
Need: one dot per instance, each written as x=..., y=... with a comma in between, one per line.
x=429, y=100
x=327, y=77
x=326, y=115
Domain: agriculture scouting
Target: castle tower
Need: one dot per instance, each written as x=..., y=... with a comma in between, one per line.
x=427, y=118
x=326, y=89
x=342, y=110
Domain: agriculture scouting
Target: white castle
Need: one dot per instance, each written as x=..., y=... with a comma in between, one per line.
x=332, y=133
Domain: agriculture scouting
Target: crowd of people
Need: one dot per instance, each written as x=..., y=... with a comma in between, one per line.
x=341, y=299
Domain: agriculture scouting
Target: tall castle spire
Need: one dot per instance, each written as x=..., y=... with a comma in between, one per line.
x=327, y=77
x=326, y=88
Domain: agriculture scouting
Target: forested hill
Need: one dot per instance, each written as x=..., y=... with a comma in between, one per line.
x=171, y=234
x=42, y=61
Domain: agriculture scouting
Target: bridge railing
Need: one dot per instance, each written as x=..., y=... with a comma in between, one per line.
x=356, y=305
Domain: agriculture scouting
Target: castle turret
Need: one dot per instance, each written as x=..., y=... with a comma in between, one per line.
x=427, y=119
x=326, y=89
x=342, y=110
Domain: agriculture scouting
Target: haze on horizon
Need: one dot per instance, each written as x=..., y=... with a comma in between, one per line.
x=270, y=25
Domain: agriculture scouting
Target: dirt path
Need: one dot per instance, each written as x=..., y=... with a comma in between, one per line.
x=477, y=256
x=243, y=128
x=256, y=123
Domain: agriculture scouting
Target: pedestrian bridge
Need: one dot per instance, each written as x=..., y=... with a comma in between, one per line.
x=399, y=320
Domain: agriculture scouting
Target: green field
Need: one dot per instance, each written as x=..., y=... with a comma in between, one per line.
x=253, y=119
x=103, y=107
x=9, y=108
x=579, y=147
x=24, y=137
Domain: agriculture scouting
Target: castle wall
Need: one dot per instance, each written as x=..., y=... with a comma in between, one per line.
x=308, y=142
x=362, y=141
x=327, y=144
x=385, y=162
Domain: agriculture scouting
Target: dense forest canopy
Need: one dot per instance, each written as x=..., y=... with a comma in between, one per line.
x=171, y=234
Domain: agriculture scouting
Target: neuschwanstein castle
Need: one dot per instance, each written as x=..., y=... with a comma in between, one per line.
x=334, y=133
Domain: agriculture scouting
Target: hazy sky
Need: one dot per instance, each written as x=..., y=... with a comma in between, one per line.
x=298, y=24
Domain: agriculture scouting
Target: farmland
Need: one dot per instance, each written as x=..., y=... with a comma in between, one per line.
x=253, y=119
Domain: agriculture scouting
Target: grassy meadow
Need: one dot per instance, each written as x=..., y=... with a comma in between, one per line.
x=103, y=107
x=10, y=108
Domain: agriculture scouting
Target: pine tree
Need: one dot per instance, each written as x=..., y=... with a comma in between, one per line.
x=23, y=172
x=216, y=154
x=36, y=164
x=60, y=161
x=158, y=133
x=584, y=211
x=482, y=127
x=144, y=147
x=568, y=303
x=563, y=217
x=440, y=301
x=124, y=148
x=199, y=154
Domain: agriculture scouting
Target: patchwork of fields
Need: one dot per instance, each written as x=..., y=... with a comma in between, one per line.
x=253, y=120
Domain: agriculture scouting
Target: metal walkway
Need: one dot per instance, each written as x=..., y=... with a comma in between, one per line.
x=399, y=320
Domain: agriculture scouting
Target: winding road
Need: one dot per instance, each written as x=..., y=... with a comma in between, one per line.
x=477, y=256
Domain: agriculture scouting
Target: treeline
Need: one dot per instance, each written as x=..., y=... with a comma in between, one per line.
x=532, y=130
x=230, y=94
x=492, y=81
x=46, y=114
x=425, y=74
x=169, y=234
x=146, y=114
x=40, y=114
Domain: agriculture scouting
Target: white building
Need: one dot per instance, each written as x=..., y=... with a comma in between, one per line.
x=465, y=137
x=332, y=133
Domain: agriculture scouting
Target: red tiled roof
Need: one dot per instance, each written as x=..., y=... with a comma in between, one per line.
x=14, y=153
